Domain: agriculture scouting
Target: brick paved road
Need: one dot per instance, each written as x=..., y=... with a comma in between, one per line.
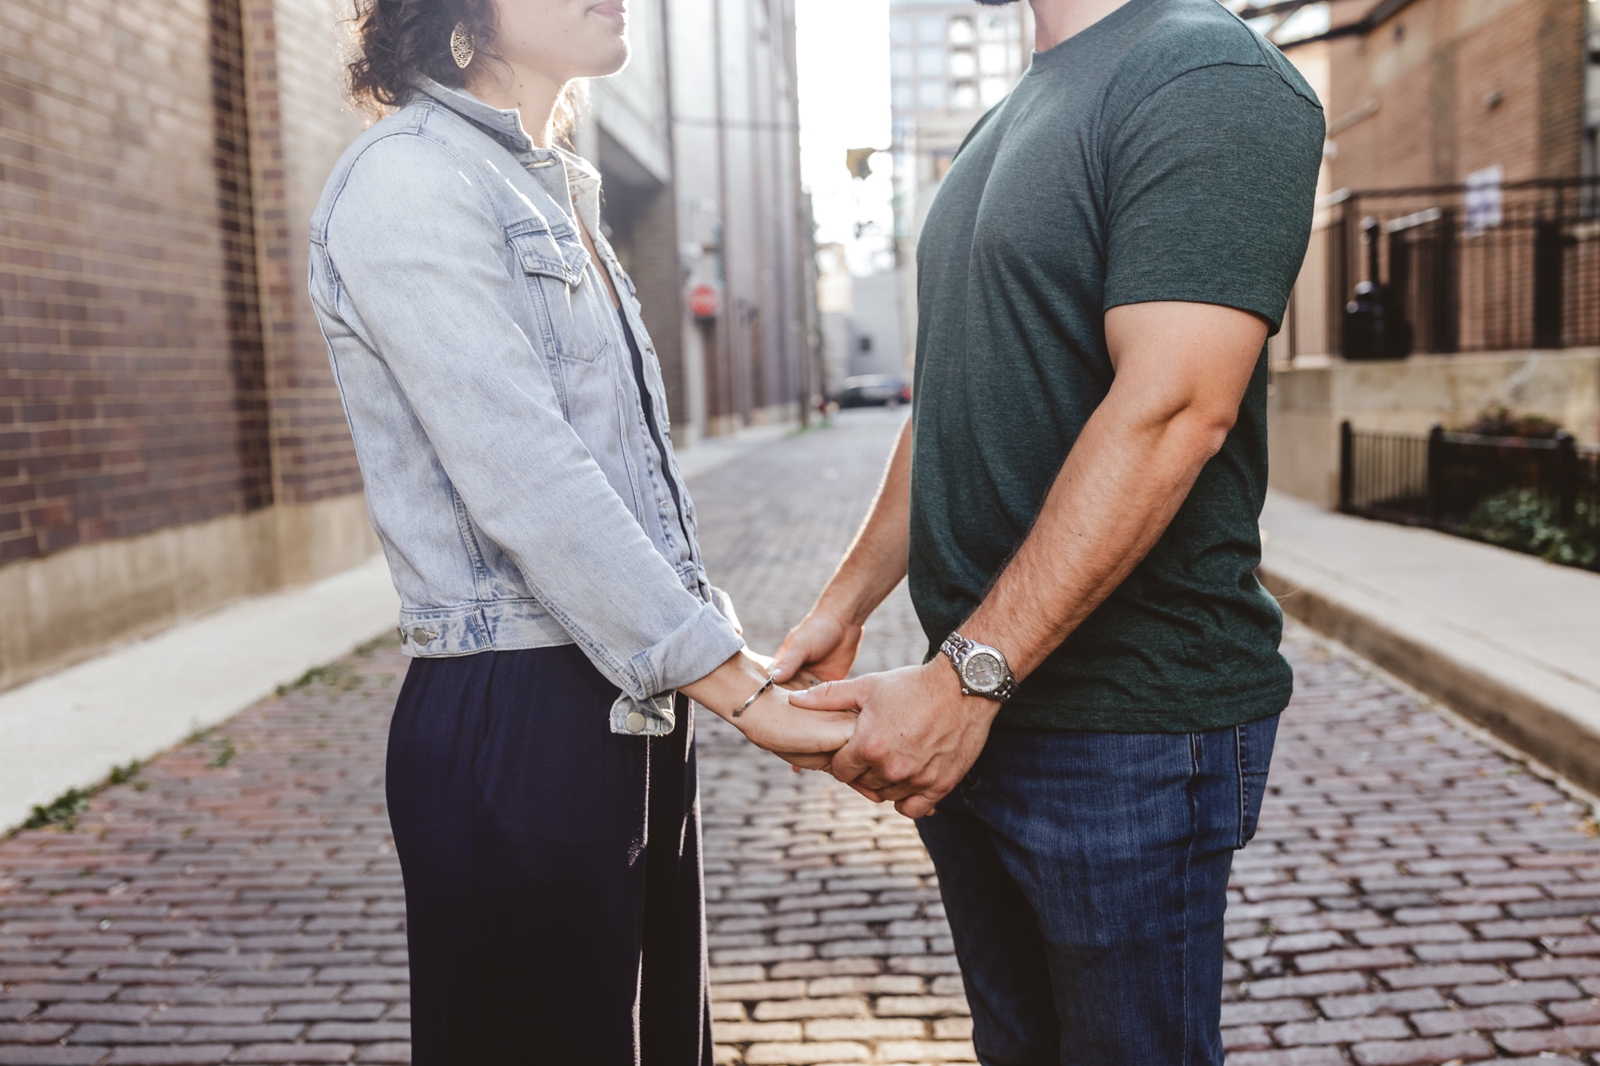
x=1414, y=897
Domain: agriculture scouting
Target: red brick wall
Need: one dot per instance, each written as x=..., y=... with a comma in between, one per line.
x=144, y=382
x=130, y=385
x=1459, y=85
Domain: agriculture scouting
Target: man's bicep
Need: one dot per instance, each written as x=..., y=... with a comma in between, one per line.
x=1176, y=355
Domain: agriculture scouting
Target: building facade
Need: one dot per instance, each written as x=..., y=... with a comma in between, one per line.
x=949, y=64
x=170, y=434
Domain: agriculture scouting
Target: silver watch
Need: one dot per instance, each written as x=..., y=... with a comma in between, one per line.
x=983, y=670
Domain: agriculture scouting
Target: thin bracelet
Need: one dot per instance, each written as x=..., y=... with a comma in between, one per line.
x=762, y=691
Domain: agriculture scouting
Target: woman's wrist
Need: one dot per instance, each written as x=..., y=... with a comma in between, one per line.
x=727, y=688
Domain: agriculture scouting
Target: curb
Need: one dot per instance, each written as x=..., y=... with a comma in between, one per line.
x=1562, y=733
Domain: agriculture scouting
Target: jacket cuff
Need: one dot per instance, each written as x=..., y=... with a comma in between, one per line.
x=693, y=650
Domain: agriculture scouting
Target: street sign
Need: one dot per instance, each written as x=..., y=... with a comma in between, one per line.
x=704, y=301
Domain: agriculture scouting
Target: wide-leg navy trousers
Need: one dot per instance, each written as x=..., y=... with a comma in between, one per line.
x=552, y=869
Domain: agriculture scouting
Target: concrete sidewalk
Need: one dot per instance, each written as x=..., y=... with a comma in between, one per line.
x=69, y=729
x=1506, y=639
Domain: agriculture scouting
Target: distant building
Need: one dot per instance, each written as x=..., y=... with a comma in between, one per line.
x=949, y=64
x=698, y=141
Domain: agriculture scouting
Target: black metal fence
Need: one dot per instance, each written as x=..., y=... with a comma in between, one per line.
x=1527, y=493
x=1450, y=269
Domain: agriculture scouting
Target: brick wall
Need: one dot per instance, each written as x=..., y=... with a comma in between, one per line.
x=144, y=380
x=1448, y=87
x=130, y=383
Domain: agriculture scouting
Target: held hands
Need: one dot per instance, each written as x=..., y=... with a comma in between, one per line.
x=807, y=739
x=917, y=736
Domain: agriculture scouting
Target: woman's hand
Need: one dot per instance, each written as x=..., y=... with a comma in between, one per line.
x=806, y=739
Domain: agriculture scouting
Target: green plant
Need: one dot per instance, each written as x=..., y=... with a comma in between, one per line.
x=121, y=775
x=61, y=812
x=225, y=753
x=1502, y=423
x=1525, y=520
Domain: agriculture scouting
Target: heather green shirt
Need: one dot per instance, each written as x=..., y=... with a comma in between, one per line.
x=1167, y=152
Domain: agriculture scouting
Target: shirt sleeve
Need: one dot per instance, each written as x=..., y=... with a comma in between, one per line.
x=1210, y=187
x=424, y=275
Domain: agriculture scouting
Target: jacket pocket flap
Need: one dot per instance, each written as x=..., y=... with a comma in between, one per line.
x=553, y=254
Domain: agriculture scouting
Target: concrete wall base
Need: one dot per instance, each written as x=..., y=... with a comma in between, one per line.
x=1307, y=404
x=68, y=606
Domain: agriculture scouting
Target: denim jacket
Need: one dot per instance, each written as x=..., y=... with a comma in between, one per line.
x=510, y=473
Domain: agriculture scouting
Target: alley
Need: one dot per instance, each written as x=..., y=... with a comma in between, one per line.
x=1413, y=897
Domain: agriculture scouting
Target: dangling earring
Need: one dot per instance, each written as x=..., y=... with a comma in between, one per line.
x=462, y=46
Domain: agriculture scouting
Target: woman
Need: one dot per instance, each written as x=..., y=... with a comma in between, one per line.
x=510, y=420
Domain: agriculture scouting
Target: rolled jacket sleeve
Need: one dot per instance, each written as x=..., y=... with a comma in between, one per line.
x=424, y=273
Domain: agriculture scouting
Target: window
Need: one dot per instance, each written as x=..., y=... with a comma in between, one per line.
x=900, y=64
x=900, y=30
x=994, y=59
x=930, y=62
x=963, y=63
x=963, y=96
x=930, y=28
x=961, y=31
x=930, y=96
x=904, y=97
x=993, y=90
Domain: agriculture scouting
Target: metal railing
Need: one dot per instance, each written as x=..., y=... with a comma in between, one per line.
x=1473, y=485
x=1450, y=272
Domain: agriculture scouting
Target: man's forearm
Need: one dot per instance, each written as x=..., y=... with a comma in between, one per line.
x=1121, y=485
x=876, y=561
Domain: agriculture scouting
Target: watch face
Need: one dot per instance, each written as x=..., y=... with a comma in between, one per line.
x=983, y=672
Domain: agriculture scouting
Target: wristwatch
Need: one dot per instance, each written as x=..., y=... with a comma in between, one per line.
x=983, y=670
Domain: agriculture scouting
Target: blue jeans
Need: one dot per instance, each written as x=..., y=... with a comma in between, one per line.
x=1085, y=876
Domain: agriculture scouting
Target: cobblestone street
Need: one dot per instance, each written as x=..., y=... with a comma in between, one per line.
x=1413, y=897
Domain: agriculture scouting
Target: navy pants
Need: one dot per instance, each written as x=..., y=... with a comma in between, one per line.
x=552, y=869
x=1085, y=876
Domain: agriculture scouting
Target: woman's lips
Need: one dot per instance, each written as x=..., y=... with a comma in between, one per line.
x=616, y=11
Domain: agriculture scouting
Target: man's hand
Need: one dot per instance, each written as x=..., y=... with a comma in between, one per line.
x=823, y=645
x=917, y=737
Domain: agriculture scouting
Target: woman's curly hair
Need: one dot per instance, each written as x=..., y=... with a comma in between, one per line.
x=396, y=40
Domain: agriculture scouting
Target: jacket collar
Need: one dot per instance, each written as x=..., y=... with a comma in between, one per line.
x=582, y=179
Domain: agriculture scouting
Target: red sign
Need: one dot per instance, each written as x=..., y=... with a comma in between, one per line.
x=703, y=301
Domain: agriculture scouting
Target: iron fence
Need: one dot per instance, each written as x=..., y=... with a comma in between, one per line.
x=1521, y=492
x=1451, y=269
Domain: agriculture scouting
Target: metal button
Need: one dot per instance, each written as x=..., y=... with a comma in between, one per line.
x=636, y=722
x=422, y=636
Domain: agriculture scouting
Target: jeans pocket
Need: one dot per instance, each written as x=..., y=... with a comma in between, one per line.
x=1253, y=744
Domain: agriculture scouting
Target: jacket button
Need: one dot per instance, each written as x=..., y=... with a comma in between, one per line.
x=636, y=722
x=422, y=636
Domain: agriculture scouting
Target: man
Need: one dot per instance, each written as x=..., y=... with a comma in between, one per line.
x=1076, y=500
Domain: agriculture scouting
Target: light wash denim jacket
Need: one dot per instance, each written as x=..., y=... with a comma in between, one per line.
x=509, y=470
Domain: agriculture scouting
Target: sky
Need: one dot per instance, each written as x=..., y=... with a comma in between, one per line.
x=843, y=53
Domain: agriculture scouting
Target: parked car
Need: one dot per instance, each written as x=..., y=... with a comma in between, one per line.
x=874, y=390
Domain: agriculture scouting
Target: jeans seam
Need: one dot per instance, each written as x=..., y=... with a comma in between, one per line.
x=1188, y=892
x=1244, y=783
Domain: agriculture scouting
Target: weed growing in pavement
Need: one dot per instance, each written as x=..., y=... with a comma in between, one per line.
x=61, y=812
x=340, y=676
x=225, y=753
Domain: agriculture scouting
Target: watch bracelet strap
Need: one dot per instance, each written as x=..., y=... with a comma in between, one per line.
x=955, y=648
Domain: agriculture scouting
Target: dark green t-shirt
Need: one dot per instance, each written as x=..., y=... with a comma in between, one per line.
x=1167, y=152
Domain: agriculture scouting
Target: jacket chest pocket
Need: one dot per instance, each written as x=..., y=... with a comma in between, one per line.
x=555, y=270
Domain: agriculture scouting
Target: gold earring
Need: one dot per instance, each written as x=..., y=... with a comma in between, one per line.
x=462, y=46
